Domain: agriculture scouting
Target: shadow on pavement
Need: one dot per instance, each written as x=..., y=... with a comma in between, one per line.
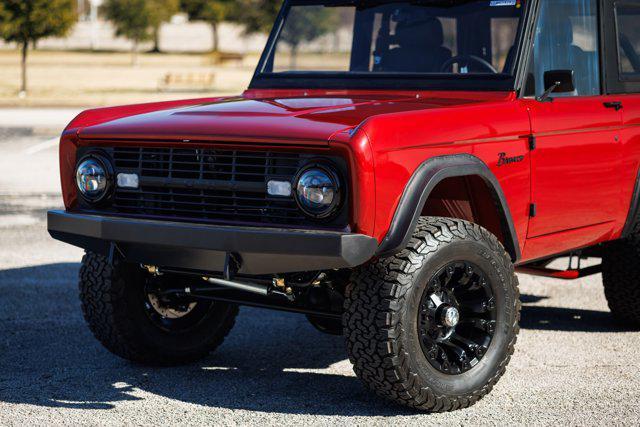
x=271, y=362
x=568, y=319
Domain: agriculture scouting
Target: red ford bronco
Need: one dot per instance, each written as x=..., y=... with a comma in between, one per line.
x=390, y=168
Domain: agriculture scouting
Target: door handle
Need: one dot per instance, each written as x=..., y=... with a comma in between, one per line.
x=616, y=105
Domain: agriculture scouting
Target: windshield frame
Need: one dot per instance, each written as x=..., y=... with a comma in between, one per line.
x=378, y=80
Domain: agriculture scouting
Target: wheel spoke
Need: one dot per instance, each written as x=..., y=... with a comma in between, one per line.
x=461, y=356
x=467, y=276
x=478, y=323
x=448, y=276
x=476, y=306
x=469, y=344
x=456, y=319
x=435, y=299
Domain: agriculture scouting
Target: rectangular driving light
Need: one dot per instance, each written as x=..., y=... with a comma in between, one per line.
x=128, y=180
x=279, y=188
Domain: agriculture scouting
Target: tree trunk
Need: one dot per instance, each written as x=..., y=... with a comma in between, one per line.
x=134, y=53
x=25, y=51
x=293, y=60
x=156, y=40
x=216, y=36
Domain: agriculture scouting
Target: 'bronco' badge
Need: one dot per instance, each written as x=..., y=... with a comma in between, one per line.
x=504, y=160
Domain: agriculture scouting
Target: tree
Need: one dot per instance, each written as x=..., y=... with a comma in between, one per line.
x=162, y=11
x=257, y=16
x=133, y=19
x=26, y=21
x=304, y=23
x=211, y=11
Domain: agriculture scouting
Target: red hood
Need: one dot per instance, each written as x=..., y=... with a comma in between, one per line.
x=278, y=116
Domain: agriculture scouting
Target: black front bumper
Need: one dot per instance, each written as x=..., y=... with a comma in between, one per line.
x=204, y=247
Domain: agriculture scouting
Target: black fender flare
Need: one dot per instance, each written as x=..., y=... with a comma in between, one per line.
x=426, y=177
x=632, y=224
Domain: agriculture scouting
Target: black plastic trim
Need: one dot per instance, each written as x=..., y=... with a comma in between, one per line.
x=526, y=47
x=428, y=175
x=204, y=247
x=370, y=81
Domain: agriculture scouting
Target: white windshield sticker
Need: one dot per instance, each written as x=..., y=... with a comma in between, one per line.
x=499, y=3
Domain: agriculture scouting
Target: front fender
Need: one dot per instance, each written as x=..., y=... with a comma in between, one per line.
x=426, y=177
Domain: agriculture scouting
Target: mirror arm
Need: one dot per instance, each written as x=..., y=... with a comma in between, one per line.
x=546, y=96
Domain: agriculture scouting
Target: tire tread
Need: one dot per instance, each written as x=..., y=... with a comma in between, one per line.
x=374, y=304
x=102, y=295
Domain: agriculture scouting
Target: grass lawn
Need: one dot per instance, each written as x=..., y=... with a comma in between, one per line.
x=86, y=79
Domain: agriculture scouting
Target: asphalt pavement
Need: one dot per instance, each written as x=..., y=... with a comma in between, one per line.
x=572, y=366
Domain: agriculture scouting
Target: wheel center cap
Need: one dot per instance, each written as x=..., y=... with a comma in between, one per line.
x=450, y=317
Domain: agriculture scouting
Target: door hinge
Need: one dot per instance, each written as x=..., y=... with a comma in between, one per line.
x=533, y=210
x=532, y=142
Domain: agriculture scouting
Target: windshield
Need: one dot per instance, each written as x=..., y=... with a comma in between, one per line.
x=442, y=39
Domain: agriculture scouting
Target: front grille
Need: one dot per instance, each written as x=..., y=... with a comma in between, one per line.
x=207, y=184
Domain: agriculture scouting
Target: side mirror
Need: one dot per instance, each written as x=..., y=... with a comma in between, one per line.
x=557, y=81
x=561, y=79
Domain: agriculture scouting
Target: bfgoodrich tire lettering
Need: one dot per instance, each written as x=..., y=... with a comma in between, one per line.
x=380, y=321
x=114, y=307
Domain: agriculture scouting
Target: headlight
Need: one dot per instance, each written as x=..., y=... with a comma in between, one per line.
x=318, y=191
x=92, y=178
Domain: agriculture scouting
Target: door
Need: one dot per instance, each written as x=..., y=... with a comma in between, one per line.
x=622, y=47
x=576, y=160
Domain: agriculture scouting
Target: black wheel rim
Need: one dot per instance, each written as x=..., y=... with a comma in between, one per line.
x=457, y=318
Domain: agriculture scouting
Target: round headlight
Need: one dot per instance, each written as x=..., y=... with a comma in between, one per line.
x=92, y=178
x=318, y=191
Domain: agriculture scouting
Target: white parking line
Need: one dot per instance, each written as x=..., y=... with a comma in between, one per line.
x=42, y=146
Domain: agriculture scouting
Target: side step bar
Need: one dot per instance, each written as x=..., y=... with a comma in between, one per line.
x=571, y=274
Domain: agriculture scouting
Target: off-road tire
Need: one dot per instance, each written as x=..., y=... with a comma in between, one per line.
x=380, y=312
x=621, y=280
x=114, y=311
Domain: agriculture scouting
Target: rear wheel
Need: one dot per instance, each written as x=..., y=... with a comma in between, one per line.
x=132, y=319
x=621, y=280
x=434, y=326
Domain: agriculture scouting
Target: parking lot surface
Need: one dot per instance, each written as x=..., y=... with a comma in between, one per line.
x=572, y=365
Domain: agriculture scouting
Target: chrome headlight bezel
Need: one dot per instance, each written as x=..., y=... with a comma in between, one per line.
x=329, y=210
x=106, y=184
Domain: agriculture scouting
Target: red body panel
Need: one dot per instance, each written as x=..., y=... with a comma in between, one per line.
x=581, y=174
x=576, y=162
